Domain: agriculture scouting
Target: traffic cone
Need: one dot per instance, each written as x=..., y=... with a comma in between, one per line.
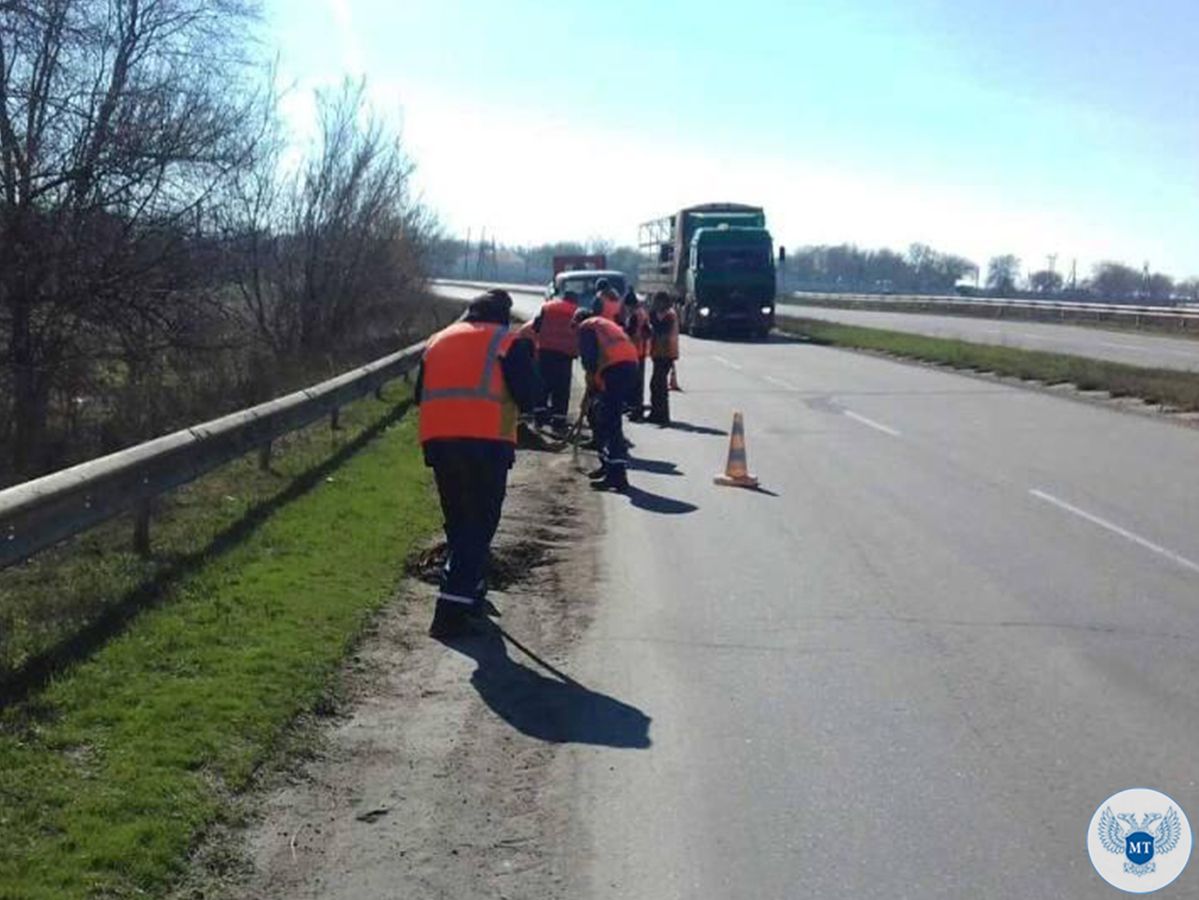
x=736, y=471
x=674, y=379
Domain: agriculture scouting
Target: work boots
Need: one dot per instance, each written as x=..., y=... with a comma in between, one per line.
x=450, y=620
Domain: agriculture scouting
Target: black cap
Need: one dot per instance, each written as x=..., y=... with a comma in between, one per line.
x=602, y=284
x=492, y=306
x=630, y=299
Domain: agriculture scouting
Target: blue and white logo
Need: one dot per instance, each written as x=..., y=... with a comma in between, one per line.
x=1139, y=840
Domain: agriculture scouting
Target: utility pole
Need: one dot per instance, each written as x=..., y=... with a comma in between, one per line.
x=1074, y=274
x=466, y=256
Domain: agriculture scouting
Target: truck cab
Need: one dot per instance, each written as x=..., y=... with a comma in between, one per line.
x=730, y=281
x=717, y=262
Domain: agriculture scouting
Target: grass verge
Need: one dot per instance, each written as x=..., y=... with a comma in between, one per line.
x=1168, y=387
x=109, y=774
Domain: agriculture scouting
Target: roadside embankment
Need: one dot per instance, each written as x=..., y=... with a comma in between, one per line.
x=110, y=773
x=1174, y=389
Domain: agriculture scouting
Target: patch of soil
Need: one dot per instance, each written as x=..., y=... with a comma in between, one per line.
x=509, y=564
x=458, y=761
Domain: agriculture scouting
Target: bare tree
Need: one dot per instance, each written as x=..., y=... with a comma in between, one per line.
x=336, y=252
x=1002, y=274
x=119, y=119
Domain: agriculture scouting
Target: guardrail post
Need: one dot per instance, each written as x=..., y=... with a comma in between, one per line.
x=141, y=528
x=264, y=456
x=335, y=418
x=379, y=393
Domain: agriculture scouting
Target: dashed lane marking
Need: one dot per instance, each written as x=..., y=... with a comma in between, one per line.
x=1116, y=529
x=870, y=423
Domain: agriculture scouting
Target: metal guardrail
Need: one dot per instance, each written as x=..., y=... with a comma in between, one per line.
x=1179, y=314
x=39, y=513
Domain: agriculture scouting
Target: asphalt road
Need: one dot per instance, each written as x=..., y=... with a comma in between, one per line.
x=960, y=617
x=1117, y=346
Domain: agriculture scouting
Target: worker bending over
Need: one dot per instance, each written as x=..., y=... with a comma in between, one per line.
x=610, y=360
x=664, y=349
x=474, y=379
x=558, y=345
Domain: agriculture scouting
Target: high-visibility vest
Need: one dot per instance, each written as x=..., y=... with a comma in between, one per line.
x=526, y=332
x=463, y=394
x=557, y=327
x=666, y=346
x=640, y=332
x=614, y=345
x=610, y=306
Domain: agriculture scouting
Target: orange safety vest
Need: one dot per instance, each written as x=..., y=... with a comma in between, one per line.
x=526, y=332
x=463, y=394
x=666, y=346
x=614, y=345
x=642, y=333
x=557, y=327
x=610, y=306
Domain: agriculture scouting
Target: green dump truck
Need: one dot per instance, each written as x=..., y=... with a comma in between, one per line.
x=717, y=261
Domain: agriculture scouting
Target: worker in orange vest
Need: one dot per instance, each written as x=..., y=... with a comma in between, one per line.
x=636, y=326
x=610, y=360
x=607, y=301
x=559, y=345
x=474, y=379
x=664, y=349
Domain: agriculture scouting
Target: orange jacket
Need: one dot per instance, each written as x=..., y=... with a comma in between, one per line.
x=557, y=331
x=639, y=331
x=612, y=344
x=463, y=394
x=666, y=335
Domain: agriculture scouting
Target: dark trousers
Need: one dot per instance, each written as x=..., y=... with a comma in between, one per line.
x=609, y=412
x=659, y=391
x=636, y=402
x=556, y=371
x=472, y=492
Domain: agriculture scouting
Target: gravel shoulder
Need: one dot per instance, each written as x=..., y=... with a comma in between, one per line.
x=434, y=780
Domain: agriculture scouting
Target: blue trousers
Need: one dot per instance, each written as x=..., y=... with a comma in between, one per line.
x=472, y=489
x=556, y=371
x=619, y=385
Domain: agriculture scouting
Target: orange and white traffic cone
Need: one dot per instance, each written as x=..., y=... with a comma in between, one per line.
x=736, y=471
x=674, y=378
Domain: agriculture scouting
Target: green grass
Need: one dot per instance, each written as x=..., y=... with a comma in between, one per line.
x=1173, y=388
x=109, y=775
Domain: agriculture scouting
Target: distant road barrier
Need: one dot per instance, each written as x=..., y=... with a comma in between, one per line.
x=1183, y=317
x=39, y=513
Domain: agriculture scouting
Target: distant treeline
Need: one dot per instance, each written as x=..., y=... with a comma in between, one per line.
x=845, y=268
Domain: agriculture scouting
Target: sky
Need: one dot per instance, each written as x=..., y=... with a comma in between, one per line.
x=979, y=127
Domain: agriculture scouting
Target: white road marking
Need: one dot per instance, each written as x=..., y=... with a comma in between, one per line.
x=725, y=362
x=1116, y=529
x=878, y=426
x=785, y=385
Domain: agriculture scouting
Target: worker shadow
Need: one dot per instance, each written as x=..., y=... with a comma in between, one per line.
x=676, y=425
x=653, y=466
x=656, y=503
x=550, y=707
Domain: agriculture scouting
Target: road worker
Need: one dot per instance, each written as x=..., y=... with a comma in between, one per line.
x=637, y=327
x=610, y=360
x=474, y=379
x=664, y=349
x=558, y=344
x=607, y=302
